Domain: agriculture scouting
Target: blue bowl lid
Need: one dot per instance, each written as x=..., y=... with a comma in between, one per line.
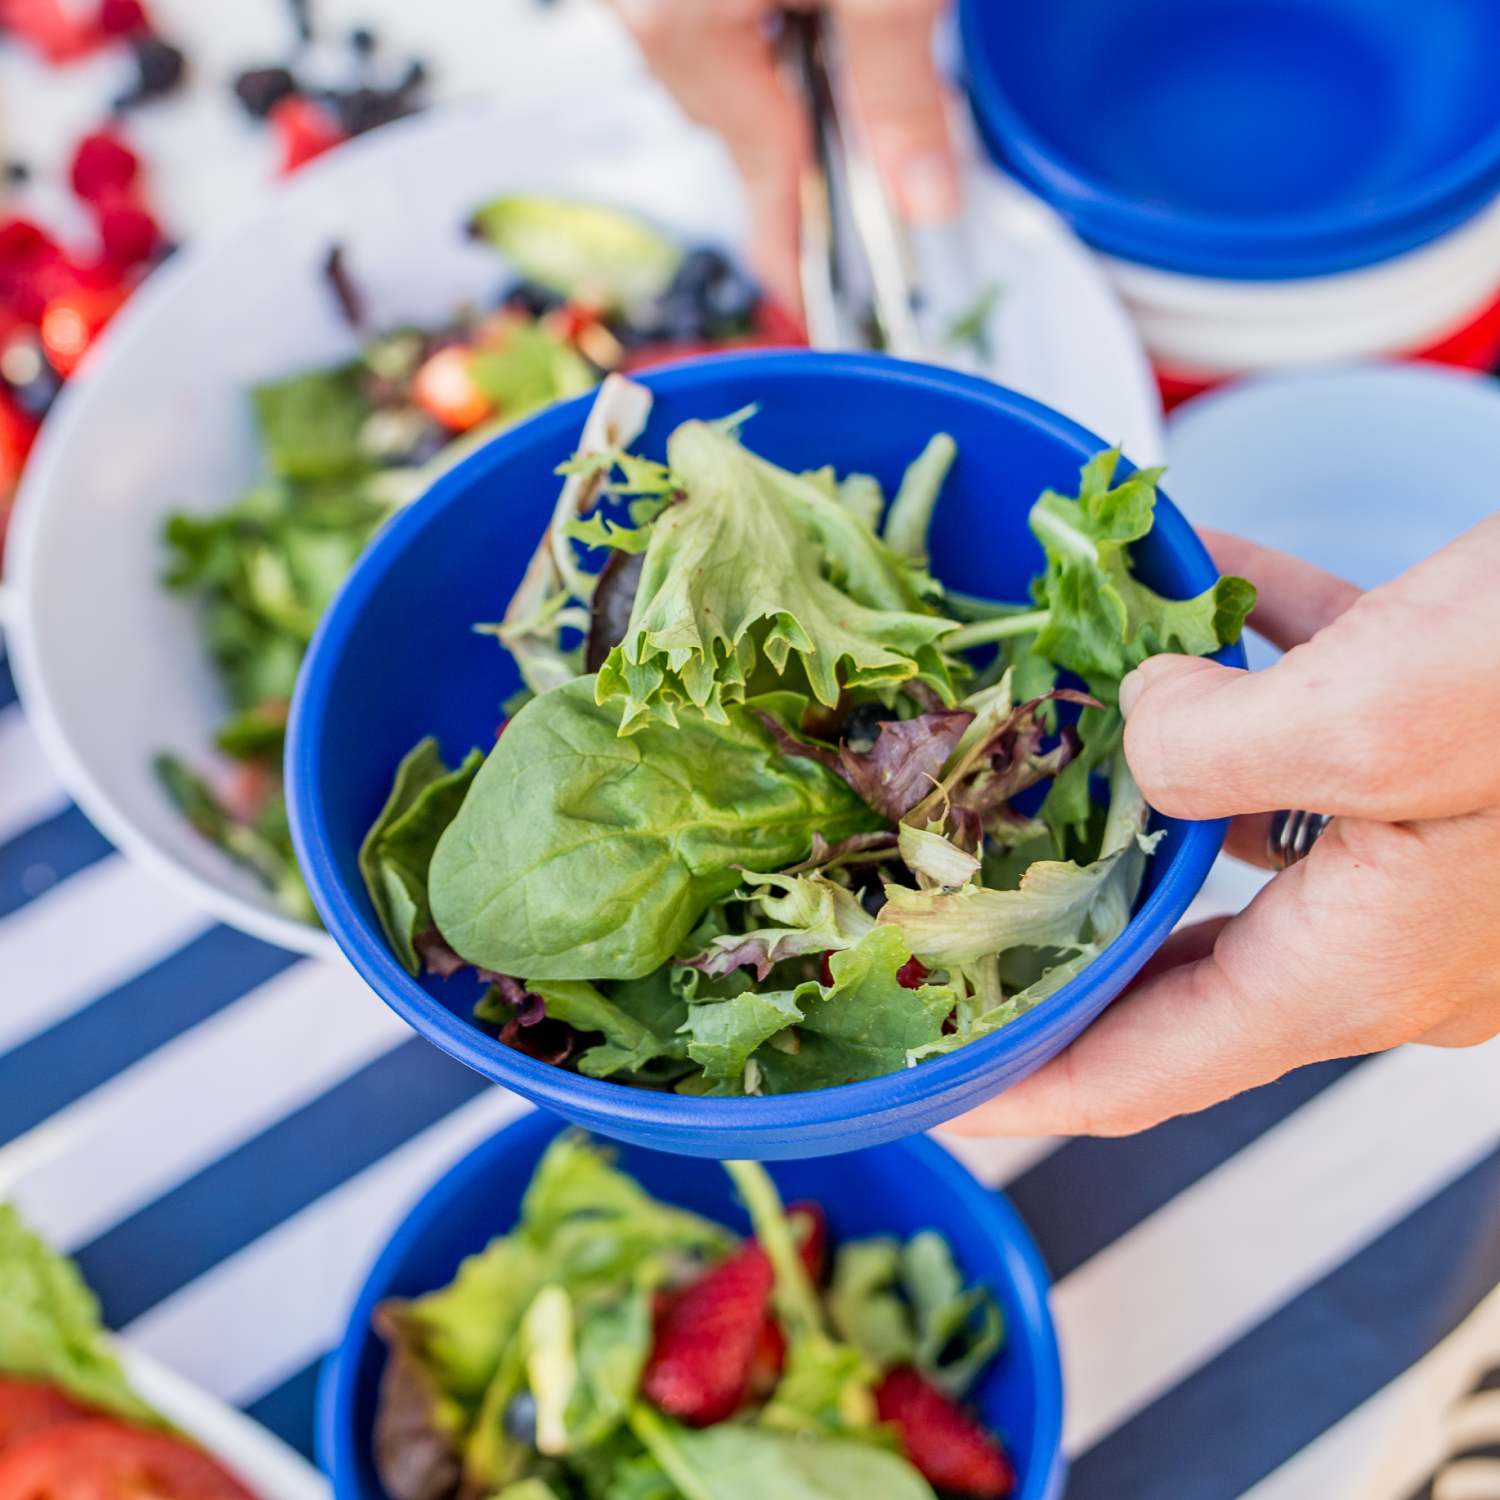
x=1243, y=139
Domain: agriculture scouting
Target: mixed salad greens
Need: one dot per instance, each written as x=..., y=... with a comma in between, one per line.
x=613, y=1347
x=761, y=825
x=69, y=1421
x=346, y=448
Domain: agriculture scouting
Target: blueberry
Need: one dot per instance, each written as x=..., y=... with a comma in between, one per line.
x=159, y=69
x=531, y=297
x=862, y=725
x=261, y=89
x=520, y=1418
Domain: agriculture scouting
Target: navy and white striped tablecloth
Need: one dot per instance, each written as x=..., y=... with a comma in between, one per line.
x=224, y=1134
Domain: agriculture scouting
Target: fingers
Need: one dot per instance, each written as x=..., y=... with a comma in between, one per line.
x=1388, y=712
x=1296, y=599
x=716, y=59
x=1184, y=946
x=1368, y=943
x=888, y=44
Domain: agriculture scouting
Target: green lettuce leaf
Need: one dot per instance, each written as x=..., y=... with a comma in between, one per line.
x=725, y=1032
x=394, y=858
x=863, y=1303
x=1069, y=911
x=629, y=1044
x=50, y=1327
x=579, y=854
x=813, y=914
x=730, y=583
x=584, y=1225
x=733, y=1462
x=959, y=1329
x=310, y=425
x=1101, y=622
x=864, y=1024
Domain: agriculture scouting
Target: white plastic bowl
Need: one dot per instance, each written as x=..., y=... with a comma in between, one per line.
x=112, y=670
x=1202, y=330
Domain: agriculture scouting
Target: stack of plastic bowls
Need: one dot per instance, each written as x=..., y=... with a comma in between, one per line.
x=1272, y=183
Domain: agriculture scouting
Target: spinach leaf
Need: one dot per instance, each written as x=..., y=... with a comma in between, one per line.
x=50, y=1327
x=730, y=581
x=396, y=852
x=579, y=854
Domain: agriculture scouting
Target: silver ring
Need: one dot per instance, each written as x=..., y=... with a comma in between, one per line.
x=1293, y=833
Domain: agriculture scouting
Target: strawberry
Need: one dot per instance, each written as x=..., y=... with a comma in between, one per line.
x=446, y=391
x=950, y=1449
x=912, y=975
x=770, y=1356
x=103, y=168
x=305, y=129
x=811, y=1235
x=707, y=1339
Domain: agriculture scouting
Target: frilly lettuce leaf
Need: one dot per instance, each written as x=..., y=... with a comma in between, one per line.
x=1059, y=904
x=863, y=1025
x=812, y=914
x=726, y=1032
x=50, y=1327
x=579, y=854
x=1101, y=622
x=730, y=582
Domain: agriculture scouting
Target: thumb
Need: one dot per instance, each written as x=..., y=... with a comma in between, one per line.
x=1387, y=713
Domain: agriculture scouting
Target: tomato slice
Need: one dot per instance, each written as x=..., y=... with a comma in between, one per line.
x=28, y=1406
x=101, y=1459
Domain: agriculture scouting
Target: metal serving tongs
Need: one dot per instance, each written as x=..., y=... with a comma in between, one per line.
x=849, y=233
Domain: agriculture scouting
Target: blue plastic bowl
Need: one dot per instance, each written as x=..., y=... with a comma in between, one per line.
x=1245, y=139
x=395, y=658
x=893, y=1189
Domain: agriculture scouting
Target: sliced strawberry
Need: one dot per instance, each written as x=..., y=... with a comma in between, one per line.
x=810, y=1230
x=305, y=130
x=446, y=391
x=707, y=1339
x=950, y=1449
x=50, y=27
x=770, y=1356
x=912, y=975
x=70, y=323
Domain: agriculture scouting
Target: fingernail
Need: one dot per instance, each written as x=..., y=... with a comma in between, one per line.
x=1132, y=685
x=929, y=187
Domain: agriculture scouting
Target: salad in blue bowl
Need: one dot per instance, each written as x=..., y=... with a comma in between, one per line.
x=779, y=791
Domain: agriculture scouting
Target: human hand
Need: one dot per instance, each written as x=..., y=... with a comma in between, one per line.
x=1386, y=712
x=717, y=57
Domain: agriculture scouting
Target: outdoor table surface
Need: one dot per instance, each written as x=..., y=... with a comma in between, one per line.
x=224, y=1134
